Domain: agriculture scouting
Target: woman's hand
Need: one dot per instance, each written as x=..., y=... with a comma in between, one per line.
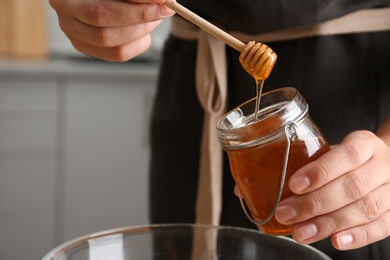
x=344, y=194
x=113, y=30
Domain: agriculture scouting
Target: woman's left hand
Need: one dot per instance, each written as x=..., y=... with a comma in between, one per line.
x=344, y=194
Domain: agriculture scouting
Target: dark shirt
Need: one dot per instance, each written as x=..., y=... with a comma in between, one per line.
x=259, y=16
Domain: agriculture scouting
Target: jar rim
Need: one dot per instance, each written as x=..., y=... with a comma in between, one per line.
x=277, y=107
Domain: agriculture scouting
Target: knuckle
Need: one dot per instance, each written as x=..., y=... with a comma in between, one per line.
x=104, y=37
x=122, y=54
x=122, y=57
x=315, y=204
x=329, y=223
x=364, y=236
x=371, y=208
x=97, y=14
x=355, y=186
x=352, y=150
x=125, y=52
x=322, y=172
x=356, y=146
x=146, y=14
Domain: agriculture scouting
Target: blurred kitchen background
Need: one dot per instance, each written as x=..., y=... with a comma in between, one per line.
x=74, y=147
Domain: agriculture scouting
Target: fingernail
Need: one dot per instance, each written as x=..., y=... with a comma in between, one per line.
x=344, y=240
x=306, y=232
x=285, y=213
x=299, y=184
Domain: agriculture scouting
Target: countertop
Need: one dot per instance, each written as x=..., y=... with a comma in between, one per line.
x=79, y=68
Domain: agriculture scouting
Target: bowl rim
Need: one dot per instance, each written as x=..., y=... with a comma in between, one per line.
x=65, y=247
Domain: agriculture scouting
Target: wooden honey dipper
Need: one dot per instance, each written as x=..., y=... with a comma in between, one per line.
x=256, y=58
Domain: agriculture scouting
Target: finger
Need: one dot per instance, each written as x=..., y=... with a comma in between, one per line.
x=116, y=54
x=104, y=37
x=335, y=195
x=112, y=13
x=363, y=235
x=364, y=211
x=352, y=152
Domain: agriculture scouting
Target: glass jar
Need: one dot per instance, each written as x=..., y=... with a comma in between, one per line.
x=264, y=154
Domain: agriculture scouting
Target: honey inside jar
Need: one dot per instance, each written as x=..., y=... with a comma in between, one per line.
x=257, y=173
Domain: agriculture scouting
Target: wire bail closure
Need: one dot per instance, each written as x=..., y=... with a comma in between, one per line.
x=290, y=130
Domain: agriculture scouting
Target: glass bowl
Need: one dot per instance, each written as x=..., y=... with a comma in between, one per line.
x=182, y=241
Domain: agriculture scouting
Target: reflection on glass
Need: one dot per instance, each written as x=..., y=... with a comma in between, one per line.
x=107, y=247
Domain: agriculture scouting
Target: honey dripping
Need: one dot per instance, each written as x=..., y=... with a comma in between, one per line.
x=259, y=90
x=258, y=60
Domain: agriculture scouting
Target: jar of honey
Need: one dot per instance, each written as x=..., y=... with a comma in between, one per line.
x=264, y=153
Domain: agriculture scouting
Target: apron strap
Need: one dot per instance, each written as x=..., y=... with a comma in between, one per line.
x=211, y=87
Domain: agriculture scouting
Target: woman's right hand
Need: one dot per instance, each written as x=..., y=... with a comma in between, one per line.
x=112, y=30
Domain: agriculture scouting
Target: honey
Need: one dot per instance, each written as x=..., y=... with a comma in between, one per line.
x=258, y=60
x=257, y=173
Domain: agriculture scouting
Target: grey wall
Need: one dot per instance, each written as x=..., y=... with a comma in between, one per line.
x=74, y=150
